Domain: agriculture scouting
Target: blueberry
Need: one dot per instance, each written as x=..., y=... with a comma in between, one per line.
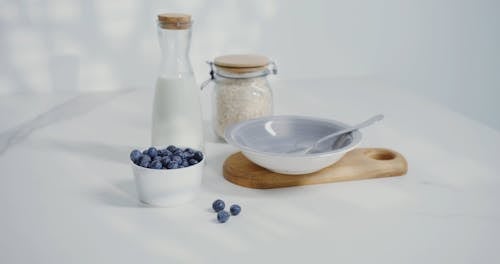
x=158, y=158
x=172, y=165
x=235, y=209
x=189, y=150
x=164, y=152
x=145, y=152
x=177, y=151
x=171, y=148
x=156, y=164
x=161, y=152
x=144, y=162
x=218, y=205
x=177, y=159
x=187, y=154
x=145, y=158
x=135, y=155
x=222, y=216
x=165, y=160
x=152, y=152
x=198, y=156
x=193, y=161
x=185, y=163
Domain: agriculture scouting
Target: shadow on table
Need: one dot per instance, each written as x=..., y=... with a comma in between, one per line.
x=213, y=180
x=77, y=106
x=123, y=194
x=93, y=149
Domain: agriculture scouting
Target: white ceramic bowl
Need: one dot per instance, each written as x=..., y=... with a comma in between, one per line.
x=166, y=188
x=267, y=142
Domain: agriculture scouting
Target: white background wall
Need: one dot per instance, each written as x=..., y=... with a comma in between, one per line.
x=445, y=50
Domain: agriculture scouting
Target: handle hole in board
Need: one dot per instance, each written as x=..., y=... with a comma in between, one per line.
x=381, y=155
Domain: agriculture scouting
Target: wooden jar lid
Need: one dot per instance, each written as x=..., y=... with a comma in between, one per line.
x=174, y=20
x=241, y=63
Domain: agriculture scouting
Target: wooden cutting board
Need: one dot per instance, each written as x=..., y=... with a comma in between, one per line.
x=357, y=164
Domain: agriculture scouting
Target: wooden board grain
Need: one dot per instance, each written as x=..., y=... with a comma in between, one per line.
x=357, y=164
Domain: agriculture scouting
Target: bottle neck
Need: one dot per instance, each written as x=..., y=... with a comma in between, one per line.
x=174, y=44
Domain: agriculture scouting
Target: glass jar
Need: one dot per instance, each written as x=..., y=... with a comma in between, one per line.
x=241, y=89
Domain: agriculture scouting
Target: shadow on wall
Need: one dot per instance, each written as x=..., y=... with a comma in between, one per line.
x=100, y=45
x=440, y=49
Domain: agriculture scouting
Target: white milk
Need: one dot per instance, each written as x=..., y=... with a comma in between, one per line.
x=177, y=113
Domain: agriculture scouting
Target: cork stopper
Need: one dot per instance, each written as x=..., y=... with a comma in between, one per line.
x=241, y=63
x=174, y=21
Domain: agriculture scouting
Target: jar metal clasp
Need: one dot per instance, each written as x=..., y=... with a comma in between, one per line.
x=212, y=75
x=274, y=67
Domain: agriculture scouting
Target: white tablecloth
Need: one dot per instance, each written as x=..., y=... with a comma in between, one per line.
x=68, y=192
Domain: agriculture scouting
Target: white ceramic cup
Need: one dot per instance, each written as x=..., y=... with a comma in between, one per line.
x=167, y=188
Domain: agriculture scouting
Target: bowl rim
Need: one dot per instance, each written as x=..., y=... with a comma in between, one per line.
x=228, y=135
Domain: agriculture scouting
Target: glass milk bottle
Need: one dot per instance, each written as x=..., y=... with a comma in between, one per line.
x=176, y=108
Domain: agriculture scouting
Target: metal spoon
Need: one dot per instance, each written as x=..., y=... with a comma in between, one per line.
x=341, y=132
